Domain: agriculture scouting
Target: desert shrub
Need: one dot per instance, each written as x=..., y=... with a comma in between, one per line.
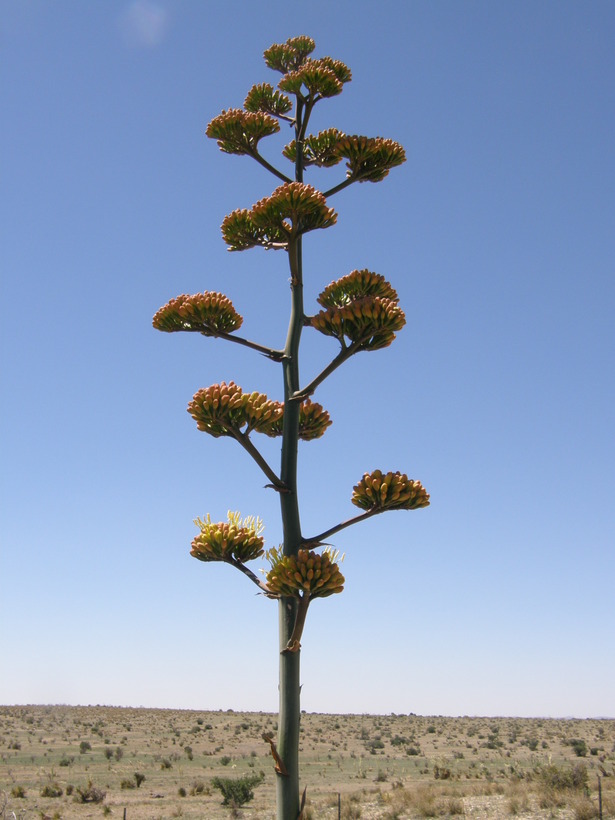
x=584, y=809
x=237, y=791
x=166, y=763
x=579, y=747
x=119, y=753
x=561, y=779
x=89, y=794
x=139, y=778
x=381, y=777
x=454, y=807
x=85, y=746
x=441, y=773
x=108, y=753
x=398, y=740
x=18, y=791
x=128, y=784
x=413, y=751
x=198, y=787
x=351, y=810
x=182, y=792
x=518, y=801
x=52, y=790
x=188, y=752
x=70, y=789
x=225, y=760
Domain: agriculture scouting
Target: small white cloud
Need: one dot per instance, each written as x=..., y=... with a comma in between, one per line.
x=143, y=24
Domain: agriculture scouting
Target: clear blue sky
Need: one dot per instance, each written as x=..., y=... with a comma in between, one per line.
x=499, y=235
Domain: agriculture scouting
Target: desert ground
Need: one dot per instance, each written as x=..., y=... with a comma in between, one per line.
x=144, y=764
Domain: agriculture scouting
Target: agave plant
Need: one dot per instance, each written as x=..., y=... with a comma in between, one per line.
x=360, y=310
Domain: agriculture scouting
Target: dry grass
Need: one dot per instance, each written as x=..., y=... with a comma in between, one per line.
x=160, y=764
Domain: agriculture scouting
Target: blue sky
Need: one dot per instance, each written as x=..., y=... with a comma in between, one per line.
x=498, y=234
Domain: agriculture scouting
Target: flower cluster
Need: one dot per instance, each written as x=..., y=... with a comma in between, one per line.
x=305, y=573
x=288, y=56
x=208, y=313
x=313, y=420
x=323, y=77
x=239, y=132
x=291, y=210
x=393, y=491
x=361, y=307
x=225, y=410
x=264, y=97
x=236, y=540
x=370, y=158
x=370, y=323
x=318, y=150
x=356, y=285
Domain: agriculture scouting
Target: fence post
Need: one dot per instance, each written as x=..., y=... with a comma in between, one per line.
x=339, y=806
x=599, y=797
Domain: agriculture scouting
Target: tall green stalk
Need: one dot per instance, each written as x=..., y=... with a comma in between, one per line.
x=360, y=311
x=289, y=717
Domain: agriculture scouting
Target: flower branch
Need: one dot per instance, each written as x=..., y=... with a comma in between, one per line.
x=249, y=574
x=319, y=540
x=247, y=444
x=262, y=161
x=269, y=352
x=345, y=353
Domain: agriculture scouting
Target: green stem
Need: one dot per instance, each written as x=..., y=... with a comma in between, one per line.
x=288, y=801
x=345, y=353
x=348, y=181
x=248, y=446
x=317, y=540
x=249, y=574
x=262, y=161
x=276, y=355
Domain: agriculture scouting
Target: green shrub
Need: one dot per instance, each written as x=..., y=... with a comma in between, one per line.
x=560, y=779
x=579, y=747
x=237, y=791
x=52, y=790
x=225, y=760
x=18, y=791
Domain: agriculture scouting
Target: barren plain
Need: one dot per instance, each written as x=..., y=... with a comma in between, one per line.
x=143, y=764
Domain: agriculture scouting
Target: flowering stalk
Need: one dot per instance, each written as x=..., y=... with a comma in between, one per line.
x=360, y=311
